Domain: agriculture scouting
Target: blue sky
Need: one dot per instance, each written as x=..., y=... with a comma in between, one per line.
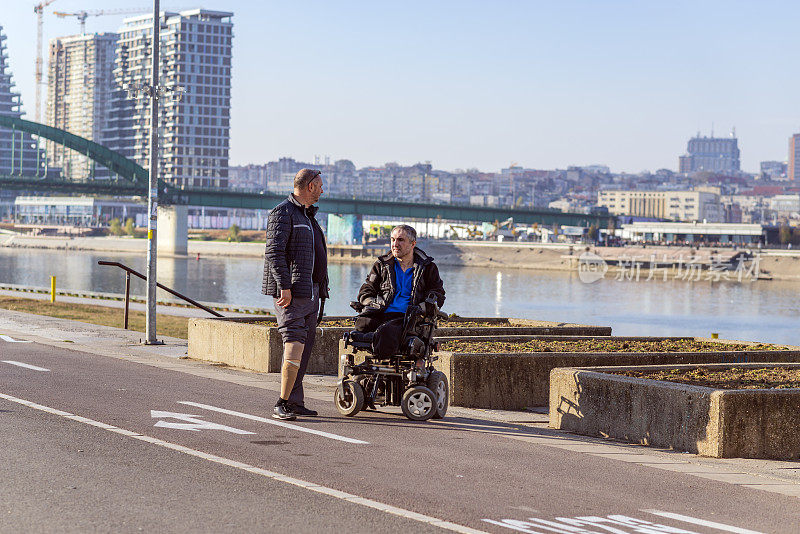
x=545, y=84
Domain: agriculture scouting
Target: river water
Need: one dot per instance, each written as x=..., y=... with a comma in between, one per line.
x=758, y=311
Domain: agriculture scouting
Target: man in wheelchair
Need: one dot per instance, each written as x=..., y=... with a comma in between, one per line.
x=405, y=277
x=399, y=308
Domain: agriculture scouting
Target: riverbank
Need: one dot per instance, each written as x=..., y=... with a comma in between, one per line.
x=773, y=264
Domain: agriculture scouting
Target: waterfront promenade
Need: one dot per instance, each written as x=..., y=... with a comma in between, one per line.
x=101, y=433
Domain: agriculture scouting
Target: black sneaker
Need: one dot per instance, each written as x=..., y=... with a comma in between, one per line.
x=299, y=409
x=283, y=411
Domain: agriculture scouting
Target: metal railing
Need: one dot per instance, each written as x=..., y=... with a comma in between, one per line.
x=129, y=272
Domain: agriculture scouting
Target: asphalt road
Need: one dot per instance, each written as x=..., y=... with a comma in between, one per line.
x=112, y=445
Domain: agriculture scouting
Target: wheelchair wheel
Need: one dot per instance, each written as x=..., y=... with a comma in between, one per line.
x=419, y=403
x=369, y=402
x=353, y=400
x=437, y=382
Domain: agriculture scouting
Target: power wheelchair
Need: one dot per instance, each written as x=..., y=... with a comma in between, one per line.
x=422, y=393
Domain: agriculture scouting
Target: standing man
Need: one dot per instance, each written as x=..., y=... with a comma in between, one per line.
x=296, y=276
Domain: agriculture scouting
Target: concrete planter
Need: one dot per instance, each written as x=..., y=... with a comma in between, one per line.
x=744, y=423
x=515, y=381
x=255, y=343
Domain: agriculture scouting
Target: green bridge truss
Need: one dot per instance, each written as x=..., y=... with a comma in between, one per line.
x=133, y=180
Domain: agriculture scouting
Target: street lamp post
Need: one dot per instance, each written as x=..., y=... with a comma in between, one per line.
x=155, y=92
x=152, y=198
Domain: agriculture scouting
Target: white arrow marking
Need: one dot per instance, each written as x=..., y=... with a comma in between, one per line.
x=12, y=340
x=703, y=522
x=195, y=424
x=25, y=365
x=273, y=422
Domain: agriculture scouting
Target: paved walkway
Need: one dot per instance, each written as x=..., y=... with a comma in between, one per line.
x=774, y=476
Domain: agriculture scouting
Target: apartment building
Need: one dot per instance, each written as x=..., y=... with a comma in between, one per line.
x=794, y=158
x=79, y=86
x=674, y=205
x=194, y=128
x=714, y=154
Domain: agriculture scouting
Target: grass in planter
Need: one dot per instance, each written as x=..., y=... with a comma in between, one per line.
x=167, y=325
x=598, y=345
x=442, y=324
x=734, y=378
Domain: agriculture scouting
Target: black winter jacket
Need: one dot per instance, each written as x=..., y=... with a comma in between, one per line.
x=381, y=285
x=289, y=256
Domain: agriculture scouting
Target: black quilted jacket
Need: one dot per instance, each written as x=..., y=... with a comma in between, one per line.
x=289, y=256
x=378, y=291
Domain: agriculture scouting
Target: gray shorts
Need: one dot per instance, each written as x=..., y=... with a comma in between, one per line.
x=299, y=318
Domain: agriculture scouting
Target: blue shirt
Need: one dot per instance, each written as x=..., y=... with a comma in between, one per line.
x=404, y=280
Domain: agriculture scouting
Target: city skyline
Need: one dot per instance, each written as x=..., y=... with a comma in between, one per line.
x=471, y=85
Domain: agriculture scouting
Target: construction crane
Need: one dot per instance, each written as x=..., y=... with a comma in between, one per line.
x=39, y=10
x=83, y=15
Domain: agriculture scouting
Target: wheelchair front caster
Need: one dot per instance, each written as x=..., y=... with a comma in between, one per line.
x=419, y=403
x=353, y=400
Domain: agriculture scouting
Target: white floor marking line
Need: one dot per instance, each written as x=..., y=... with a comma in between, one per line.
x=12, y=340
x=349, y=497
x=26, y=365
x=192, y=422
x=702, y=522
x=274, y=422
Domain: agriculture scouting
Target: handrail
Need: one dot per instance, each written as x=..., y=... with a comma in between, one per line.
x=129, y=272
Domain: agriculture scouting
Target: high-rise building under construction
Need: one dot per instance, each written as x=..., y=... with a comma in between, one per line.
x=194, y=130
x=20, y=154
x=79, y=87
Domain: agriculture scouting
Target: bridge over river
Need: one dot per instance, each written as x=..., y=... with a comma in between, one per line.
x=128, y=178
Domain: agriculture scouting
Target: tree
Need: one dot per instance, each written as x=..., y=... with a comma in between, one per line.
x=233, y=233
x=796, y=236
x=115, y=228
x=592, y=233
x=785, y=234
x=130, y=229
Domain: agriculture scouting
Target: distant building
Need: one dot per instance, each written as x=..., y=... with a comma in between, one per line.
x=74, y=211
x=563, y=204
x=20, y=154
x=79, y=87
x=794, y=158
x=195, y=130
x=773, y=170
x=671, y=232
x=713, y=154
x=785, y=205
x=248, y=177
x=675, y=205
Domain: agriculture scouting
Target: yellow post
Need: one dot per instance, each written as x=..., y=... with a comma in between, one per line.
x=52, y=289
x=714, y=335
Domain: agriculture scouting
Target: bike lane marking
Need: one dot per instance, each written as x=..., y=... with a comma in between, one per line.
x=702, y=522
x=613, y=523
x=275, y=422
x=310, y=486
x=12, y=340
x=26, y=365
